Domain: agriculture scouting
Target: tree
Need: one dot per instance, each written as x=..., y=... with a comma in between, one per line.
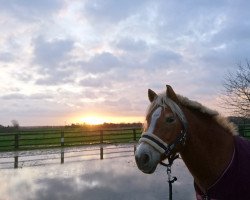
x=15, y=123
x=236, y=97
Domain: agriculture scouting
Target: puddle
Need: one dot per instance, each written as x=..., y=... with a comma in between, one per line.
x=22, y=159
x=112, y=178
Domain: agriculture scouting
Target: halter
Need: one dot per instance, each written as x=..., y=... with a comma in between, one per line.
x=155, y=141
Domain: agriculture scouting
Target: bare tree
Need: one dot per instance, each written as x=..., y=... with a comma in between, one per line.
x=237, y=91
x=15, y=123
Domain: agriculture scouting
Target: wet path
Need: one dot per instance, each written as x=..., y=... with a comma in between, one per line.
x=112, y=178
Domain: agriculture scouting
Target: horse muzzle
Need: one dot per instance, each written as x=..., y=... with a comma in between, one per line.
x=147, y=158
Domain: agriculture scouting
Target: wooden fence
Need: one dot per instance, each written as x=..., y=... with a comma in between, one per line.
x=20, y=159
x=39, y=139
x=12, y=144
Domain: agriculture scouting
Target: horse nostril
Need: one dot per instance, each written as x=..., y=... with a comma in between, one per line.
x=144, y=159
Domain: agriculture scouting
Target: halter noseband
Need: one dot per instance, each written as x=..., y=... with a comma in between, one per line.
x=155, y=141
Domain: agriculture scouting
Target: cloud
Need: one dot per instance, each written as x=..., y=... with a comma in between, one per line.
x=104, y=55
x=177, y=19
x=51, y=57
x=51, y=53
x=34, y=109
x=24, y=9
x=14, y=96
x=163, y=59
x=101, y=63
x=94, y=82
x=131, y=45
x=6, y=57
x=55, y=77
x=111, y=11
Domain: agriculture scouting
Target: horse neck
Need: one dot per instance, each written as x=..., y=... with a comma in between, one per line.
x=208, y=150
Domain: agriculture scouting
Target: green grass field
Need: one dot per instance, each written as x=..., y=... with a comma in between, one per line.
x=48, y=138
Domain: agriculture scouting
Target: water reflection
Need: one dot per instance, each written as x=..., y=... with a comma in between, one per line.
x=107, y=179
x=21, y=159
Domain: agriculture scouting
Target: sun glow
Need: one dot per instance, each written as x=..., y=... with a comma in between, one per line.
x=93, y=120
x=96, y=119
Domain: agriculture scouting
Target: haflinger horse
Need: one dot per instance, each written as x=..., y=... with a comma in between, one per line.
x=217, y=158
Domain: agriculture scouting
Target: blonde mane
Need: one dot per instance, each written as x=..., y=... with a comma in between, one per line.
x=194, y=105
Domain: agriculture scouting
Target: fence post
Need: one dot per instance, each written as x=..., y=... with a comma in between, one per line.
x=134, y=148
x=101, y=137
x=62, y=138
x=16, y=160
x=16, y=140
x=16, y=148
x=62, y=146
x=101, y=153
x=101, y=142
x=134, y=134
x=62, y=155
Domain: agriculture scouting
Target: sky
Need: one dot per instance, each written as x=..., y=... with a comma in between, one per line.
x=66, y=62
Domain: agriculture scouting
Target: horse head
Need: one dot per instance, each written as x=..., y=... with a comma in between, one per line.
x=212, y=152
x=164, y=132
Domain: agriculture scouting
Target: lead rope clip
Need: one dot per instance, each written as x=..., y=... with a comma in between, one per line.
x=171, y=179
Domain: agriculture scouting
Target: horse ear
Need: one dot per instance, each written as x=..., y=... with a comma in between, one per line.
x=171, y=94
x=151, y=95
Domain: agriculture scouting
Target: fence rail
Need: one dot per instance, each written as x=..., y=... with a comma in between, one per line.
x=30, y=139
x=244, y=130
x=61, y=155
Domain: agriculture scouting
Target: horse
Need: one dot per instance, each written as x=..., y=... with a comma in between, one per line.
x=209, y=145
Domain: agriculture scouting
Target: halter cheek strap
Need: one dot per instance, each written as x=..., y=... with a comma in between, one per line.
x=155, y=141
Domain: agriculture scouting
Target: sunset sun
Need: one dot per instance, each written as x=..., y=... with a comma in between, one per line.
x=97, y=119
x=93, y=120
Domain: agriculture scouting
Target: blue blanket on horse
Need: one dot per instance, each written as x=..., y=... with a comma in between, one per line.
x=234, y=184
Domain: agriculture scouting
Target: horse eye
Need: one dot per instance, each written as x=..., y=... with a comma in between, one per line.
x=170, y=119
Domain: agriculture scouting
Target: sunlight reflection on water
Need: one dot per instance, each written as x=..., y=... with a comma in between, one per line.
x=107, y=179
